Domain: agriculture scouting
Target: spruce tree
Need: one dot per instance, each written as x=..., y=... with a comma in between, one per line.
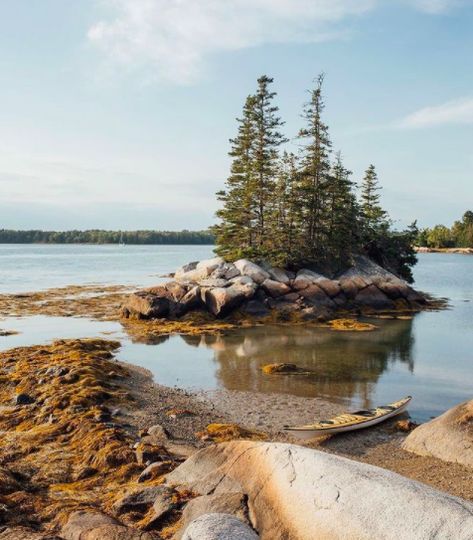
x=315, y=168
x=267, y=141
x=343, y=234
x=373, y=217
x=235, y=234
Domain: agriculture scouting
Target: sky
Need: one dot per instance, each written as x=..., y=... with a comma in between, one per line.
x=117, y=113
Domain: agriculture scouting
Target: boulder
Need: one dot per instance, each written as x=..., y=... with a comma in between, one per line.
x=185, y=268
x=154, y=470
x=172, y=290
x=275, y=288
x=373, y=298
x=305, y=278
x=83, y=525
x=278, y=274
x=221, y=301
x=192, y=299
x=297, y=492
x=252, y=270
x=255, y=308
x=243, y=280
x=218, y=527
x=209, y=265
x=225, y=271
x=330, y=286
x=146, y=305
x=448, y=437
x=315, y=295
x=214, y=282
x=222, y=503
x=24, y=533
x=139, y=500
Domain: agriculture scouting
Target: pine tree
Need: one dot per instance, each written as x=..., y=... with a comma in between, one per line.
x=373, y=217
x=268, y=139
x=343, y=235
x=286, y=225
x=235, y=234
x=315, y=168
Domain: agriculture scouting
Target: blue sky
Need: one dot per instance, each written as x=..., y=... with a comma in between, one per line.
x=117, y=113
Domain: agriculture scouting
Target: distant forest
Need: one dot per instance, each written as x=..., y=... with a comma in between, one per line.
x=96, y=236
x=459, y=235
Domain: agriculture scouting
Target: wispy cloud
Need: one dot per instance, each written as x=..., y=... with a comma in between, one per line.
x=435, y=6
x=175, y=37
x=458, y=111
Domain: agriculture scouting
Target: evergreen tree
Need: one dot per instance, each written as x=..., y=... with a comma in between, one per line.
x=286, y=225
x=315, y=169
x=267, y=141
x=372, y=214
x=343, y=236
x=235, y=234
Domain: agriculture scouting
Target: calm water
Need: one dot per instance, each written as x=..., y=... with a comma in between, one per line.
x=430, y=357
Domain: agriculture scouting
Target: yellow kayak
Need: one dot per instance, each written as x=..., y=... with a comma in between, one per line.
x=350, y=421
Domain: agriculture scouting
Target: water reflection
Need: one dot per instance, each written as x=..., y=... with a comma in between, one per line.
x=342, y=365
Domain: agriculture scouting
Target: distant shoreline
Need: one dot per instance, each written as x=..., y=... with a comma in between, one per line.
x=461, y=251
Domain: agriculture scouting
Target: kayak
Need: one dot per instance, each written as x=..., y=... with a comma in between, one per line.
x=350, y=421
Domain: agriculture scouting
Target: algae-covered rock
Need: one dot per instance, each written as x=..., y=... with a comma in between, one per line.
x=280, y=368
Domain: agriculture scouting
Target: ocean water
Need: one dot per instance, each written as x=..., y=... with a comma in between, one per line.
x=429, y=357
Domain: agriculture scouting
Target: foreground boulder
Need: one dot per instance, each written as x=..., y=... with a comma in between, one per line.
x=448, y=437
x=297, y=492
x=218, y=527
x=220, y=288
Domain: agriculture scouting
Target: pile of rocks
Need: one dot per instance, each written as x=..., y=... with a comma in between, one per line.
x=220, y=288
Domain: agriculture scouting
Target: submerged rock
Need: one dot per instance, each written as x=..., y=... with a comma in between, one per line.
x=448, y=437
x=297, y=492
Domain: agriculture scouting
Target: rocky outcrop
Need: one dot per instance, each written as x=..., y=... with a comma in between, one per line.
x=296, y=492
x=448, y=437
x=220, y=288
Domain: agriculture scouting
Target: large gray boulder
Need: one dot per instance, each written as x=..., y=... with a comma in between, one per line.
x=252, y=270
x=219, y=527
x=297, y=492
x=222, y=300
x=448, y=437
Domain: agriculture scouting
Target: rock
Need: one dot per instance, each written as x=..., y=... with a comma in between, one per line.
x=252, y=270
x=221, y=301
x=141, y=500
x=373, y=298
x=172, y=290
x=192, y=299
x=154, y=470
x=278, y=274
x=146, y=305
x=218, y=527
x=297, y=492
x=315, y=295
x=213, y=282
x=291, y=297
x=225, y=271
x=209, y=265
x=24, y=533
x=243, y=280
x=24, y=399
x=305, y=278
x=275, y=288
x=185, y=268
x=255, y=308
x=329, y=286
x=83, y=525
x=158, y=433
x=223, y=503
x=349, y=287
x=149, y=453
x=280, y=368
x=164, y=502
x=448, y=437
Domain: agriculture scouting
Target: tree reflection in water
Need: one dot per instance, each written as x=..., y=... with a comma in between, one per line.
x=343, y=365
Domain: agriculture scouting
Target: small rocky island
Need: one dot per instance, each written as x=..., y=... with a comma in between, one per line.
x=246, y=290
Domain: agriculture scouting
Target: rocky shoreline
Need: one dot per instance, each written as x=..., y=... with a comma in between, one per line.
x=88, y=444
x=244, y=290
x=461, y=251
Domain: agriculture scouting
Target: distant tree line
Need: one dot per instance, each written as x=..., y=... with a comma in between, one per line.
x=460, y=234
x=301, y=208
x=97, y=236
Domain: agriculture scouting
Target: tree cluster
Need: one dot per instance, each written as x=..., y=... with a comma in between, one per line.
x=301, y=208
x=460, y=234
x=97, y=236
